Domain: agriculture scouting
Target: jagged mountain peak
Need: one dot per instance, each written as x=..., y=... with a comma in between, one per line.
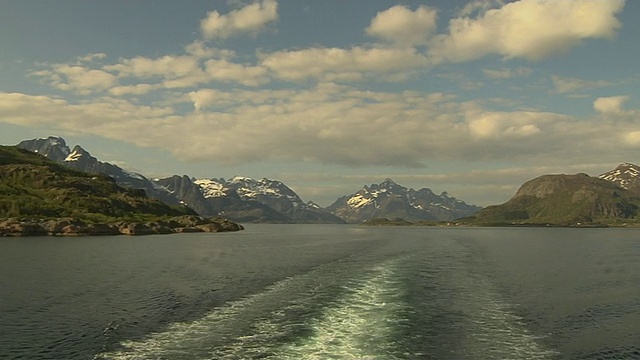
x=388, y=186
x=388, y=182
x=56, y=149
x=54, y=140
x=626, y=175
x=52, y=147
x=391, y=200
x=247, y=199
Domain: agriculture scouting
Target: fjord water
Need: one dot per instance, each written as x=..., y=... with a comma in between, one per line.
x=324, y=292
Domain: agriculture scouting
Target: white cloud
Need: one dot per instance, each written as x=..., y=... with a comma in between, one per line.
x=223, y=70
x=632, y=138
x=342, y=64
x=77, y=78
x=92, y=57
x=507, y=73
x=401, y=25
x=137, y=89
x=610, y=105
x=96, y=117
x=199, y=50
x=492, y=125
x=168, y=66
x=529, y=29
x=249, y=19
x=333, y=124
x=168, y=71
x=570, y=85
x=479, y=7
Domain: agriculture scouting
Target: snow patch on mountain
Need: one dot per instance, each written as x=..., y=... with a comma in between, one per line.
x=624, y=175
x=211, y=188
x=74, y=156
x=391, y=200
x=357, y=201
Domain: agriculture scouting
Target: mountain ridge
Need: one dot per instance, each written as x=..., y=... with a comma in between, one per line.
x=43, y=197
x=391, y=200
x=241, y=199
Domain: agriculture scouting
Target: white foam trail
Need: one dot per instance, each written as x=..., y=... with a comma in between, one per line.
x=357, y=325
x=354, y=325
x=181, y=340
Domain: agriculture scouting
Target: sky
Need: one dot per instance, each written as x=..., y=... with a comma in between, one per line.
x=468, y=97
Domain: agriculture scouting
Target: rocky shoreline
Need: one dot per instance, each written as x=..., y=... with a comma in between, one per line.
x=78, y=227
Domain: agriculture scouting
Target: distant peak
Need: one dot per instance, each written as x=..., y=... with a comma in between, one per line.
x=238, y=178
x=627, y=164
x=53, y=138
x=79, y=148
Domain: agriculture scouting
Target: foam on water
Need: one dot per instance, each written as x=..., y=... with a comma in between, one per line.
x=295, y=318
x=358, y=325
x=331, y=313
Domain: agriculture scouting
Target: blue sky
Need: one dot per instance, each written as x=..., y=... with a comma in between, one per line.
x=468, y=97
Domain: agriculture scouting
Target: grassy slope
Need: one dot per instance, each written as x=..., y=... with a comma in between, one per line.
x=565, y=200
x=33, y=186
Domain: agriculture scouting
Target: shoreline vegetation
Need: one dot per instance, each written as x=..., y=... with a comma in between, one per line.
x=465, y=223
x=79, y=227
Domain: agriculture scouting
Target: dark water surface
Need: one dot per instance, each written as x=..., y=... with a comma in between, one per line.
x=324, y=292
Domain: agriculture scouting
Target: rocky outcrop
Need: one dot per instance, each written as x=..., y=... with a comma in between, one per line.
x=76, y=227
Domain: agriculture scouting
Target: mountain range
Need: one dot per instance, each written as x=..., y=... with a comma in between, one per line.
x=390, y=200
x=249, y=200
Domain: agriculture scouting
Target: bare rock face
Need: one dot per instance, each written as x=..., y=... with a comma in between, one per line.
x=135, y=229
x=76, y=227
x=18, y=227
x=64, y=226
x=102, y=229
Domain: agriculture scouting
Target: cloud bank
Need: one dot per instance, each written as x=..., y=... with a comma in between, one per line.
x=308, y=104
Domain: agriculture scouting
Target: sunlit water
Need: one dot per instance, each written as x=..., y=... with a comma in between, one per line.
x=324, y=292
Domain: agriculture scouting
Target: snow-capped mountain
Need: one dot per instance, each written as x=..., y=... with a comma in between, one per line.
x=56, y=149
x=390, y=200
x=246, y=199
x=240, y=198
x=626, y=175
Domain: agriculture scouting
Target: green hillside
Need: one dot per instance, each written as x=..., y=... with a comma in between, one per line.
x=569, y=200
x=35, y=187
